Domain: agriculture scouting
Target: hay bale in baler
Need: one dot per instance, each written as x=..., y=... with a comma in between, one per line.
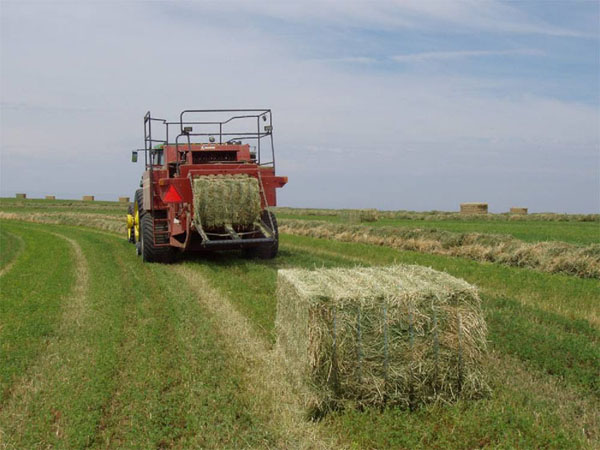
x=522, y=211
x=221, y=200
x=474, y=208
x=398, y=336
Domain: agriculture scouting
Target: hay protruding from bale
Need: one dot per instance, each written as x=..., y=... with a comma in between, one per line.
x=515, y=210
x=474, y=208
x=221, y=200
x=88, y=198
x=397, y=336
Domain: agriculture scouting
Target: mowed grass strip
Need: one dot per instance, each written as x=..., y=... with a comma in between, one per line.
x=31, y=297
x=516, y=415
x=141, y=366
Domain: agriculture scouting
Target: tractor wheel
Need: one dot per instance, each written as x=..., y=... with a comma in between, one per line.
x=130, y=224
x=265, y=251
x=149, y=251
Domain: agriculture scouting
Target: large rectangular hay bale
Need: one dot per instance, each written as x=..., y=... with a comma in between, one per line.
x=20, y=195
x=401, y=335
x=88, y=198
x=515, y=210
x=474, y=208
x=50, y=197
x=123, y=199
x=221, y=200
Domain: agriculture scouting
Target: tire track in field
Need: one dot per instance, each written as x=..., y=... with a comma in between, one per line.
x=50, y=365
x=12, y=262
x=278, y=400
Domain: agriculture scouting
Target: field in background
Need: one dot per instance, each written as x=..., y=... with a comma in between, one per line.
x=120, y=353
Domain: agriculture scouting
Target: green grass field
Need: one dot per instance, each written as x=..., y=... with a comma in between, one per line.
x=101, y=350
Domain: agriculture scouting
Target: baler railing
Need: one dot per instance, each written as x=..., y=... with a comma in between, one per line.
x=182, y=124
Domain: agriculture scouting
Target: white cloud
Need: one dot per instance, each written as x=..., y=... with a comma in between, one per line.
x=462, y=54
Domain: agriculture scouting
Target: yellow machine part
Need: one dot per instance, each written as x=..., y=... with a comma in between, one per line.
x=136, y=221
x=133, y=224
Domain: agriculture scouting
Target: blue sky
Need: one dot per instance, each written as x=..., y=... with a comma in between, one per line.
x=396, y=105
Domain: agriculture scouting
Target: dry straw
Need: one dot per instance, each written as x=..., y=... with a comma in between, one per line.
x=398, y=336
x=221, y=200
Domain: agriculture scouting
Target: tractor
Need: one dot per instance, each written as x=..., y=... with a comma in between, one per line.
x=209, y=183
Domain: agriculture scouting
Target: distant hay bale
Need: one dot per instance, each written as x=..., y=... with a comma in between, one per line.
x=20, y=195
x=398, y=336
x=474, y=208
x=360, y=215
x=221, y=200
x=518, y=211
x=123, y=199
x=50, y=197
x=88, y=198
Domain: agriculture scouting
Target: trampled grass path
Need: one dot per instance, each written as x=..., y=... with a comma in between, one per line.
x=279, y=403
x=18, y=240
x=52, y=361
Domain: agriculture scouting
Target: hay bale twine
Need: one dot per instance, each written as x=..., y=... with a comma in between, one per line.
x=515, y=210
x=397, y=336
x=88, y=198
x=20, y=195
x=474, y=208
x=221, y=200
x=123, y=199
x=50, y=197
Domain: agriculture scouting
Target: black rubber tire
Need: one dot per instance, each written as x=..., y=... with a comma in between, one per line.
x=139, y=199
x=265, y=251
x=150, y=252
x=130, y=212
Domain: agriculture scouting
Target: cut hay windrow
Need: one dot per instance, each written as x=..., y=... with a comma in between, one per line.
x=554, y=257
x=397, y=336
x=221, y=200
